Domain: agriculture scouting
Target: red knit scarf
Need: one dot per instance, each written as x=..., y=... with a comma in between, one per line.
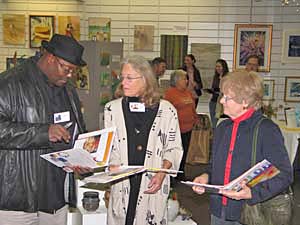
x=236, y=123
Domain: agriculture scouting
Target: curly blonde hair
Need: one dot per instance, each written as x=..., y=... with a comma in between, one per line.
x=247, y=86
x=150, y=95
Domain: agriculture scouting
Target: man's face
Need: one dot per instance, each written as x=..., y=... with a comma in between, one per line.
x=160, y=69
x=252, y=65
x=64, y=70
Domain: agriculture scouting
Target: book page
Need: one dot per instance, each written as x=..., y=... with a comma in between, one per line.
x=209, y=188
x=90, y=150
x=71, y=157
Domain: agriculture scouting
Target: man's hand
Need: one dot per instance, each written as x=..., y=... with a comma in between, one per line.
x=57, y=133
x=202, y=179
x=155, y=183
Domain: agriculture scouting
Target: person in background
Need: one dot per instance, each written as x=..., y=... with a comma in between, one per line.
x=182, y=99
x=194, y=77
x=252, y=63
x=147, y=135
x=221, y=70
x=36, y=101
x=159, y=66
x=242, y=94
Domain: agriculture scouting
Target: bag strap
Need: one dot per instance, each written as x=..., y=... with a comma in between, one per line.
x=254, y=141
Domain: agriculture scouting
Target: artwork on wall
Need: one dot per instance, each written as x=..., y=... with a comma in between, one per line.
x=105, y=97
x=143, y=37
x=292, y=89
x=252, y=39
x=105, y=58
x=291, y=46
x=83, y=78
x=173, y=48
x=268, y=90
x=13, y=29
x=41, y=28
x=115, y=81
x=99, y=29
x=11, y=62
x=104, y=78
x=70, y=26
x=206, y=56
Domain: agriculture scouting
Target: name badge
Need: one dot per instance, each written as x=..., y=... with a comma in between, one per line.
x=136, y=107
x=61, y=117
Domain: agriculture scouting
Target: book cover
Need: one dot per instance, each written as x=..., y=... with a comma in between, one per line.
x=90, y=150
x=260, y=172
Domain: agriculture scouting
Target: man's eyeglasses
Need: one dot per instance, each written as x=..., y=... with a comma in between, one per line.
x=66, y=69
x=128, y=78
x=226, y=98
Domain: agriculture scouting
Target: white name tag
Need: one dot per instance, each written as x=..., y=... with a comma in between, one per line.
x=61, y=117
x=136, y=107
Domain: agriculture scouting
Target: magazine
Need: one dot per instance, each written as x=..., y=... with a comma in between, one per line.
x=260, y=172
x=123, y=172
x=90, y=150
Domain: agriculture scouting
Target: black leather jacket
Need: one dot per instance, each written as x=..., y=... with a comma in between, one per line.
x=27, y=182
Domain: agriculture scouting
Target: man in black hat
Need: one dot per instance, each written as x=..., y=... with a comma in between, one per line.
x=36, y=102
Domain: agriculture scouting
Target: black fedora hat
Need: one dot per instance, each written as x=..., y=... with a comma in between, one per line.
x=65, y=47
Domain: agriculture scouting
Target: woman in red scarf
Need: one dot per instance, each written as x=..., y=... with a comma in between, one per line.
x=242, y=94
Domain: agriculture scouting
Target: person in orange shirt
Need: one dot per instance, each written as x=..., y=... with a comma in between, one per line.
x=182, y=99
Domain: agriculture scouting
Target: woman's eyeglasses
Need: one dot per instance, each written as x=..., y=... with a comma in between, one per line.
x=128, y=78
x=66, y=69
x=226, y=98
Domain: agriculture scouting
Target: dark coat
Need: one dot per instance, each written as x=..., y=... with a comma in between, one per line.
x=28, y=182
x=270, y=146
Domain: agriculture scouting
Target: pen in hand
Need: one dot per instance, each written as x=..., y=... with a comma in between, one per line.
x=68, y=125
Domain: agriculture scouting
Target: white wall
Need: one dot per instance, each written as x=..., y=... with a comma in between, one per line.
x=206, y=21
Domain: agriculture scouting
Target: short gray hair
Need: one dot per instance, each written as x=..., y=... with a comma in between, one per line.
x=175, y=76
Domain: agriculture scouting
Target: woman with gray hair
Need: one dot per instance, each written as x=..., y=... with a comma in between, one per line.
x=232, y=149
x=148, y=135
x=183, y=101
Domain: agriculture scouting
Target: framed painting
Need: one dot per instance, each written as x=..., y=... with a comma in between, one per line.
x=70, y=26
x=292, y=89
x=143, y=38
x=13, y=29
x=291, y=46
x=252, y=39
x=99, y=29
x=173, y=48
x=268, y=90
x=40, y=28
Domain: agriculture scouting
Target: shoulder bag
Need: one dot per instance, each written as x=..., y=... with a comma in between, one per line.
x=274, y=211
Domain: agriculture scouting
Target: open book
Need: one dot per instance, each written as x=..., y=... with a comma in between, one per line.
x=260, y=172
x=123, y=172
x=90, y=150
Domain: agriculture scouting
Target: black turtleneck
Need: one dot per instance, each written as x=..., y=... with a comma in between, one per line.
x=138, y=125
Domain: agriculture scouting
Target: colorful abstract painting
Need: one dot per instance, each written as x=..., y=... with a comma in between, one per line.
x=252, y=39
